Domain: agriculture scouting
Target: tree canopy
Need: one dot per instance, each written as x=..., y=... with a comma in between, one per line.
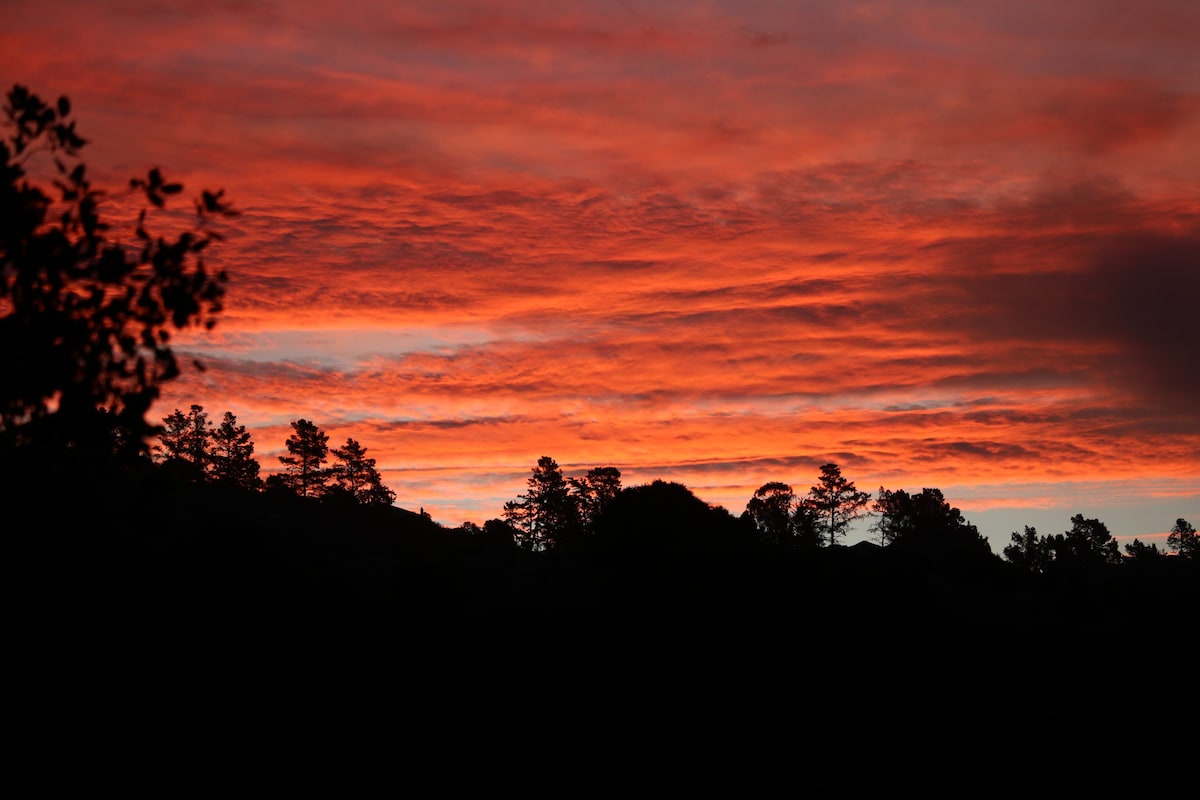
x=594, y=492
x=86, y=313
x=782, y=519
x=1086, y=545
x=1182, y=539
x=185, y=437
x=546, y=514
x=836, y=502
x=925, y=522
x=304, y=465
x=233, y=462
x=355, y=474
x=667, y=517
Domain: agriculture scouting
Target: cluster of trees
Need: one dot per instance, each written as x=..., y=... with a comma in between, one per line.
x=556, y=509
x=824, y=515
x=925, y=520
x=225, y=454
x=352, y=476
x=1088, y=543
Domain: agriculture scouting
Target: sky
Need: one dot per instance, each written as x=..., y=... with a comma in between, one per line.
x=941, y=244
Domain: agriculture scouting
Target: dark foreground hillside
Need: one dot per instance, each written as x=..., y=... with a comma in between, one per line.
x=241, y=622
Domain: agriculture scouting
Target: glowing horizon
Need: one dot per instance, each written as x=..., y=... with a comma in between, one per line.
x=951, y=245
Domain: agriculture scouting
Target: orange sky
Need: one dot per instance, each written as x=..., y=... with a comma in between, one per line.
x=951, y=244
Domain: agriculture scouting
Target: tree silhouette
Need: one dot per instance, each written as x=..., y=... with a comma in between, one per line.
x=836, y=502
x=806, y=528
x=594, y=492
x=355, y=474
x=1087, y=543
x=233, y=462
x=1182, y=539
x=498, y=534
x=780, y=518
x=185, y=437
x=1029, y=551
x=308, y=449
x=666, y=518
x=925, y=521
x=86, y=317
x=1140, y=551
x=547, y=513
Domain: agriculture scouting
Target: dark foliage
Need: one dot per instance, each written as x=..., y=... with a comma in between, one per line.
x=1183, y=540
x=86, y=314
x=305, y=473
x=781, y=519
x=187, y=438
x=232, y=459
x=547, y=515
x=355, y=475
x=835, y=502
x=663, y=517
x=926, y=525
x=594, y=492
x=186, y=609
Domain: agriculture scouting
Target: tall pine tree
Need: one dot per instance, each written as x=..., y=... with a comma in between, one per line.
x=355, y=474
x=186, y=437
x=308, y=450
x=233, y=462
x=836, y=502
x=1182, y=539
x=547, y=513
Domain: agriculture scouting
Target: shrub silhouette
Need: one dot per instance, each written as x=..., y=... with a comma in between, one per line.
x=666, y=517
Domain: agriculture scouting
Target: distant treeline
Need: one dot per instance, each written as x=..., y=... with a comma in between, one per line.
x=564, y=513
x=187, y=442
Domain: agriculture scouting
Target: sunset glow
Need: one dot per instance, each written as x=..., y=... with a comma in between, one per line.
x=943, y=244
